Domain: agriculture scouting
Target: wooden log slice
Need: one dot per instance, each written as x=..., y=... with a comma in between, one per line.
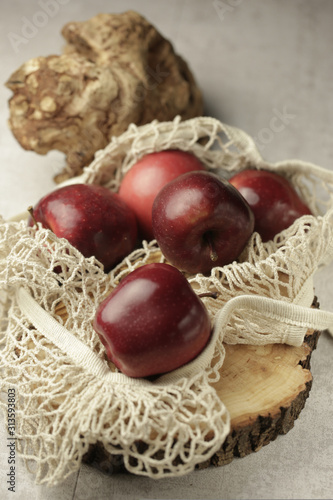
x=264, y=389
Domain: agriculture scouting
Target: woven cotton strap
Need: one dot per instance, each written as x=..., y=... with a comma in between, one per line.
x=80, y=353
x=297, y=317
x=83, y=356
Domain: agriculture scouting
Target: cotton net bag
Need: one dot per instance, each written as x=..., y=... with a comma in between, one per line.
x=69, y=396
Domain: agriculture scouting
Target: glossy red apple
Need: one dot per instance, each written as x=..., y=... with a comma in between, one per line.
x=92, y=218
x=146, y=178
x=201, y=221
x=153, y=322
x=273, y=200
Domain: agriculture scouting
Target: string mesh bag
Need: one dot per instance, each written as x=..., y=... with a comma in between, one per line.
x=69, y=396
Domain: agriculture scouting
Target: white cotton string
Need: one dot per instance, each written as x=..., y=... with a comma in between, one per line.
x=299, y=318
x=264, y=297
x=79, y=352
x=83, y=356
x=58, y=334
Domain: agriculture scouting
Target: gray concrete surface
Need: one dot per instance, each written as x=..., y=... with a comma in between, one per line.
x=253, y=59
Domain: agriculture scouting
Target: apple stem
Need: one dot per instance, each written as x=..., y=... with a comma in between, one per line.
x=212, y=295
x=212, y=252
x=213, y=255
x=31, y=212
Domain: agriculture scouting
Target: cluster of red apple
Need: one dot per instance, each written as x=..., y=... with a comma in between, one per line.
x=153, y=322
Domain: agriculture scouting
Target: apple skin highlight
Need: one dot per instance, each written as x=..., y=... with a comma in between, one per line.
x=148, y=176
x=153, y=322
x=93, y=219
x=201, y=221
x=273, y=201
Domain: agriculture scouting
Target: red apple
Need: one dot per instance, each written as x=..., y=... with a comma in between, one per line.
x=273, y=200
x=146, y=178
x=201, y=221
x=92, y=218
x=153, y=322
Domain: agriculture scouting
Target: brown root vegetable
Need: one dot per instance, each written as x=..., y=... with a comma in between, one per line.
x=116, y=69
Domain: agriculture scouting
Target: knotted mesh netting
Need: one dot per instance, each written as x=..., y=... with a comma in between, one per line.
x=70, y=396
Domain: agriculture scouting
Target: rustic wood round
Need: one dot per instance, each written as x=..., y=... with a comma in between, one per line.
x=264, y=389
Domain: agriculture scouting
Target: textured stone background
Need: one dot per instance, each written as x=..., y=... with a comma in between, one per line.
x=254, y=60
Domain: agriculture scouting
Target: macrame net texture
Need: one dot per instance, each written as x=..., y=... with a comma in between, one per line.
x=167, y=426
x=62, y=408
x=221, y=148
